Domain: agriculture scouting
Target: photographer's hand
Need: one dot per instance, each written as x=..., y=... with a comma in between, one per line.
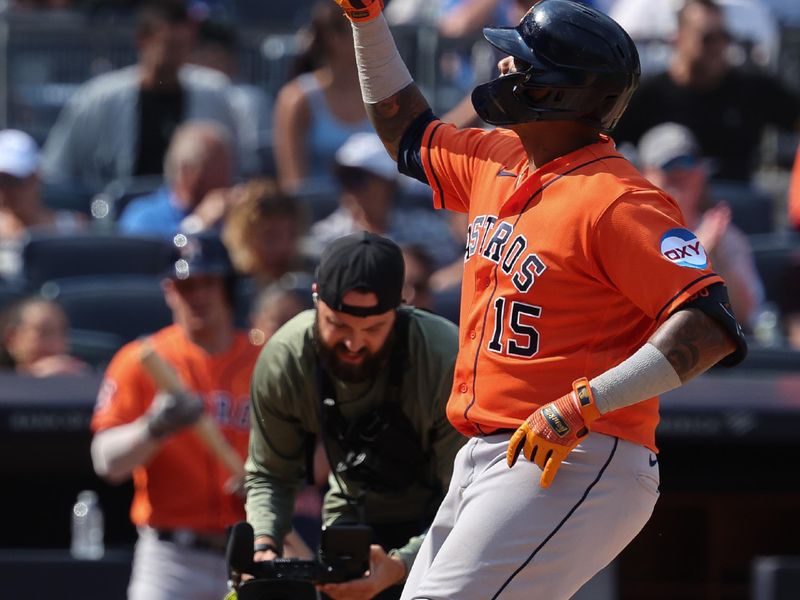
x=263, y=555
x=384, y=571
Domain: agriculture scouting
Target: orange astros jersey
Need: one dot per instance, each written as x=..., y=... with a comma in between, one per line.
x=181, y=486
x=568, y=271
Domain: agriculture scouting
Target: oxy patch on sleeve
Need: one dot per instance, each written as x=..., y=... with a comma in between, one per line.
x=681, y=246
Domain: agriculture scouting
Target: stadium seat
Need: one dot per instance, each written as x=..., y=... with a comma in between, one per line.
x=9, y=293
x=776, y=256
x=67, y=197
x=46, y=257
x=770, y=359
x=247, y=291
x=126, y=307
x=447, y=303
x=286, y=16
x=94, y=347
x=107, y=205
x=752, y=209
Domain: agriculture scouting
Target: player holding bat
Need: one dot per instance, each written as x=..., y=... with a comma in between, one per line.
x=181, y=446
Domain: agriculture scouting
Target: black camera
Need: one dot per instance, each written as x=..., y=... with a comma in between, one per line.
x=343, y=555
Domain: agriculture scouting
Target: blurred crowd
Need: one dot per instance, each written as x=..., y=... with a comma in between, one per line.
x=189, y=145
x=97, y=215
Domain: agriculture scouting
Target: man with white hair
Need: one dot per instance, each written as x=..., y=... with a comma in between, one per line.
x=198, y=173
x=369, y=182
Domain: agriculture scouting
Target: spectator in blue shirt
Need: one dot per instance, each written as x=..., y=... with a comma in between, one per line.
x=198, y=171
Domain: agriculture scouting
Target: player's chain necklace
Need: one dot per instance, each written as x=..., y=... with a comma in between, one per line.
x=523, y=172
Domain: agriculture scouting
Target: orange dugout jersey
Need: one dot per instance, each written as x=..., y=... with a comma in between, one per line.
x=182, y=485
x=568, y=271
x=794, y=193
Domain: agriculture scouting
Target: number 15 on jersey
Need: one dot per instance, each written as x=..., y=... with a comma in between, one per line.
x=514, y=334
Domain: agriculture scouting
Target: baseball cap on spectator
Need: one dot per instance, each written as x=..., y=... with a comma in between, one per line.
x=363, y=262
x=669, y=146
x=19, y=154
x=199, y=254
x=365, y=152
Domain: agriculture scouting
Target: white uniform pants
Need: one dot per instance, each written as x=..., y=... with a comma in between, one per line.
x=498, y=535
x=165, y=571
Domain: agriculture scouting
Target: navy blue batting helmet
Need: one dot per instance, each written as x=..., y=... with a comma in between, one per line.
x=573, y=63
x=200, y=254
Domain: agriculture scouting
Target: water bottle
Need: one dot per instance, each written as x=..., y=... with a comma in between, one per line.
x=87, y=527
x=767, y=326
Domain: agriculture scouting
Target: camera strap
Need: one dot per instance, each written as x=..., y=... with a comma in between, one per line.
x=333, y=425
x=332, y=419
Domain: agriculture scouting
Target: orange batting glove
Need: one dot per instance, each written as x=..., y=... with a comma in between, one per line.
x=553, y=431
x=360, y=11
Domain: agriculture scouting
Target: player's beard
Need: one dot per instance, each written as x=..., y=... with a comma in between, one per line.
x=349, y=373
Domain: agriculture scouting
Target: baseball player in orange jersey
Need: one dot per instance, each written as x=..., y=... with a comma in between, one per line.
x=181, y=504
x=584, y=297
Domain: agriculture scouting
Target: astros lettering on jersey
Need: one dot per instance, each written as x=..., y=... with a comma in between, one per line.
x=543, y=249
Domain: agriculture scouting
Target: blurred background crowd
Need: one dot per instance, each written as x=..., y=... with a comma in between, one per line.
x=124, y=123
x=244, y=118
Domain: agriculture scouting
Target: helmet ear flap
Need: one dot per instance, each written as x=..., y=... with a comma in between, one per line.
x=610, y=110
x=608, y=103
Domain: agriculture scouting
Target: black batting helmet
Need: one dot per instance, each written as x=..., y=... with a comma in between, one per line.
x=572, y=62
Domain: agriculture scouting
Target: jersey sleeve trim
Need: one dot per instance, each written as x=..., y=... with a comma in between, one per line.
x=689, y=290
x=439, y=191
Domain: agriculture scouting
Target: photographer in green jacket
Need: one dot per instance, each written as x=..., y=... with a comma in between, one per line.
x=371, y=380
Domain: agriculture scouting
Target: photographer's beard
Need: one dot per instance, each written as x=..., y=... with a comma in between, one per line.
x=369, y=367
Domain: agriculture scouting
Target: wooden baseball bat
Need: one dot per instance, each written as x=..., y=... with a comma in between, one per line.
x=167, y=379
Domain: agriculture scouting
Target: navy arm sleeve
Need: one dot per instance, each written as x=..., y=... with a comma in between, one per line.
x=409, y=157
x=713, y=301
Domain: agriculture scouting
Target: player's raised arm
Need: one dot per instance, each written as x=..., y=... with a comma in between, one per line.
x=390, y=95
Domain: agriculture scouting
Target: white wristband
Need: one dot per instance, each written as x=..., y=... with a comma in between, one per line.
x=645, y=374
x=381, y=71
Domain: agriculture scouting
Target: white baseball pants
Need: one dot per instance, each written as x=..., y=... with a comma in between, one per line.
x=164, y=571
x=498, y=535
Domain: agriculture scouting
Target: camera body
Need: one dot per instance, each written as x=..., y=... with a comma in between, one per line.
x=343, y=555
x=311, y=571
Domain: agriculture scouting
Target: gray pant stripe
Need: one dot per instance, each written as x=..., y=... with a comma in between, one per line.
x=564, y=520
